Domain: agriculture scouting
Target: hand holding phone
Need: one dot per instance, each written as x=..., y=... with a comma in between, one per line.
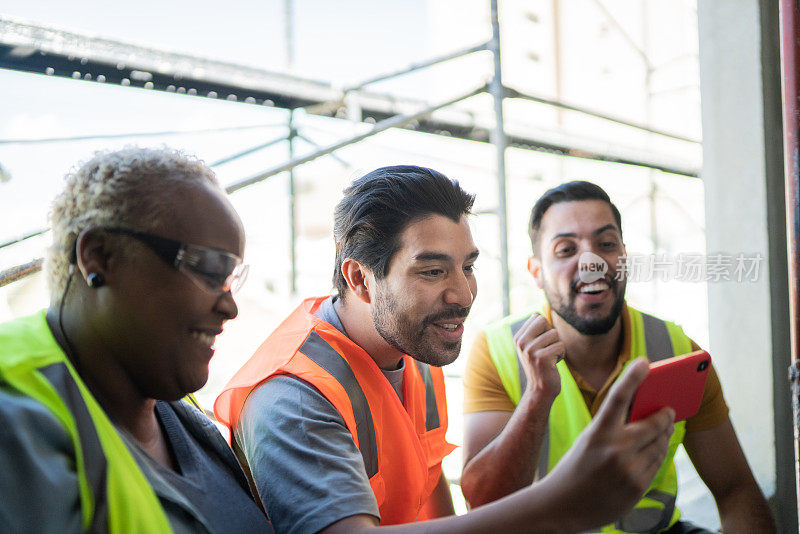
x=675, y=382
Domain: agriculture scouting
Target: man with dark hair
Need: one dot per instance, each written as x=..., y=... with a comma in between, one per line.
x=534, y=381
x=340, y=416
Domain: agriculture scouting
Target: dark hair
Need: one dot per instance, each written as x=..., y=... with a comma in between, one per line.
x=377, y=207
x=568, y=192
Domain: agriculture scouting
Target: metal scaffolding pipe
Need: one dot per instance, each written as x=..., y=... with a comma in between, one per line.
x=292, y=209
x=790, y=67
x=317, y=145
x=247, y=152
x=392, y=122
x=20, y=271
x=513, y=93
x=23, y=237
x=133, y=134
x=348, y=99
x=500, y=142
x=621, y=30
x=420, y=65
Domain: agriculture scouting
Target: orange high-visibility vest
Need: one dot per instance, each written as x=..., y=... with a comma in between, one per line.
x=402, y=444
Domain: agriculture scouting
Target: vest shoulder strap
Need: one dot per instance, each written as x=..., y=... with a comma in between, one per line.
x=431, y=408
x=658, y=345
x=500, y=340
x=656, y=338
x=91, y=459
x=32, y=363
x=320, y=352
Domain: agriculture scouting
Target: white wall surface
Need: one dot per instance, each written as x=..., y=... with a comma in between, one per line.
x=734, y=174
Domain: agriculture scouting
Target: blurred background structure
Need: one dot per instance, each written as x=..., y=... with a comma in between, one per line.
x=673, y=106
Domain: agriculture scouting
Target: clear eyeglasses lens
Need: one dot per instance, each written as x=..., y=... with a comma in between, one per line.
x=215, y=270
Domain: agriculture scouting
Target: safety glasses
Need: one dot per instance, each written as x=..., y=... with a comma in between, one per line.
x=212, y=269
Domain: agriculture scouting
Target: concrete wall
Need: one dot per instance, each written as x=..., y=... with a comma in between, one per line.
x=742, y=173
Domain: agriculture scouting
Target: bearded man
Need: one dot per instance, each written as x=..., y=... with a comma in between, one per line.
x=535, y=380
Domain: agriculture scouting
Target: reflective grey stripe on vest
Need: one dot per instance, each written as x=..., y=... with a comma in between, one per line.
x=431, y=410
x=94, y=459
x=544, y=453
x=649, y=519
x=543, y=464
x=523, y=379
x=321, y=353
x=656, y=338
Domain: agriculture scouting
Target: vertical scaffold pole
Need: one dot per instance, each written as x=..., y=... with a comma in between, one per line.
x=790, y=66
x=288, y=11
x=292, y=207
x=499, y=140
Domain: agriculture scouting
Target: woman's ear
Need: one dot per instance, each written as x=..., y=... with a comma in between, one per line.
x=358, y=279
x=92, y=252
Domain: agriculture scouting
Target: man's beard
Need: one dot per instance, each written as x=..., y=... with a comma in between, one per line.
x=414, y=338
x=588, y=326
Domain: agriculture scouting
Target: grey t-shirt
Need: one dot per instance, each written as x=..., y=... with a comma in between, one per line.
x=308, y=471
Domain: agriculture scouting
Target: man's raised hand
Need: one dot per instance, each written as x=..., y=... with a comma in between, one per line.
x=540, y=349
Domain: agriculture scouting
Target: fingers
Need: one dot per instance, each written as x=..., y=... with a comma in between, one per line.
x=615, y=407
x=529, y=342
x=541, y=353
x=553, y=353
x=536, y=334
x=645, y=462
x=539, y=349
x=532, y=328
x=645, y=431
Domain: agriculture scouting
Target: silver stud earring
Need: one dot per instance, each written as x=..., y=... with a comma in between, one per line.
x=95, y=280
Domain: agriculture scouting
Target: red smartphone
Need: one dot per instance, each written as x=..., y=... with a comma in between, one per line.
x=675, y=382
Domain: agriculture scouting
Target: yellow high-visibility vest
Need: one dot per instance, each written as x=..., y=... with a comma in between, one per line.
x=115, y=495
x=651, y=337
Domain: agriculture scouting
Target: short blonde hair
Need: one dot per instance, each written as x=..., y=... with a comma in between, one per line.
x=116, y=188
